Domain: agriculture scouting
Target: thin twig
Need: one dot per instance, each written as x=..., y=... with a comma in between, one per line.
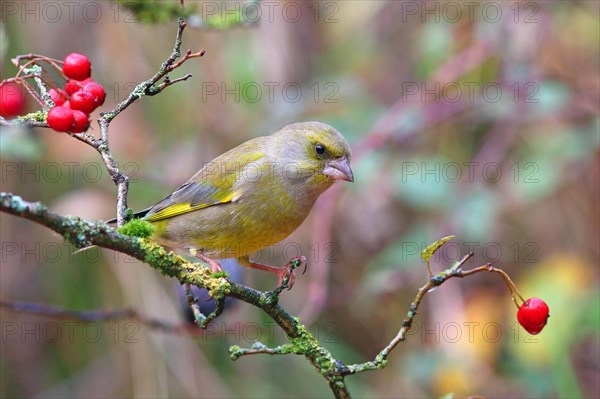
x=258, y=348
x=188, y=54
x=145, y=88
x=436, y=280
x=166, y=83
x=200, y=319
x=96, y=316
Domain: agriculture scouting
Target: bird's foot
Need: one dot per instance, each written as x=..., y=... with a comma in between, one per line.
x=214, y=265
x=285, y=275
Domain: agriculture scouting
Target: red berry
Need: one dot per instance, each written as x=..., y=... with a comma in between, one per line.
x=60, y=119
x=533, y=315
x=72, y=86
x=96, y=89
x=83, y=101
x=77, y=66
x=66, y=104
x=81, y=122
x=59, y=96
x=12, y=100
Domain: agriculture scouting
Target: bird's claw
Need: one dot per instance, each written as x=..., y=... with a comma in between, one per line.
x=286, y=276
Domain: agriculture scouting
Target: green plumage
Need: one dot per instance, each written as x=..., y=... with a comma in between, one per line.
x=254, y=195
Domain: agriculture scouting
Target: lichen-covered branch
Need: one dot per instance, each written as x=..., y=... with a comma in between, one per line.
x=82, y=233
x=36, y=119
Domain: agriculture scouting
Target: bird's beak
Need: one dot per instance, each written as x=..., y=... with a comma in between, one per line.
x=339, y=169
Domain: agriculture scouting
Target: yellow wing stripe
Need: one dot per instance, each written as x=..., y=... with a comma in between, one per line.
x=175, y=210
x=180, y=209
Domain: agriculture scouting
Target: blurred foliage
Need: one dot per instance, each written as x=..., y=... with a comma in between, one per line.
x=482, y=127
x=156, y=11
x=219, y=15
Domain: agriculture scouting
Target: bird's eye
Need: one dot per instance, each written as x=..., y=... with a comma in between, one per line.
x=320, y=149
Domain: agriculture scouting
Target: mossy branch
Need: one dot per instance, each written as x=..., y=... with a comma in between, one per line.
x=83, y=233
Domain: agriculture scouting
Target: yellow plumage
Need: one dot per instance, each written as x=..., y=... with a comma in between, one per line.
x=254, y=195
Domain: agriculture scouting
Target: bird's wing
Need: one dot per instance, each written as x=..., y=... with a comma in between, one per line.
x=214, y=184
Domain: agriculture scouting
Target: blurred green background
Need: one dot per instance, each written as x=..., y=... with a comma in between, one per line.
x=479, y=119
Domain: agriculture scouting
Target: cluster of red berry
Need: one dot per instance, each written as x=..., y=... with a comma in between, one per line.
x=78, y=100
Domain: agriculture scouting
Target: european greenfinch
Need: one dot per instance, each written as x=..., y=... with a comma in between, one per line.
x=252, y=196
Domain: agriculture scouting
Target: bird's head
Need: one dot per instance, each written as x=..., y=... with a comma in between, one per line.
x=314, y=153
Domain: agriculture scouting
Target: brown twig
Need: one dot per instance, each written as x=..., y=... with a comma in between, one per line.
x=188, y=54
x=166, y=83
x=436, y=280
x=35, y=59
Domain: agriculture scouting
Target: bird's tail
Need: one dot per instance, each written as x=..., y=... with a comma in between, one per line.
x=137, y=215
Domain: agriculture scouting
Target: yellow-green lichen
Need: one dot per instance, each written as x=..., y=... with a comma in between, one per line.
x=305, y=343
x=156, y=256
x=38, y=116
x=200, y=275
